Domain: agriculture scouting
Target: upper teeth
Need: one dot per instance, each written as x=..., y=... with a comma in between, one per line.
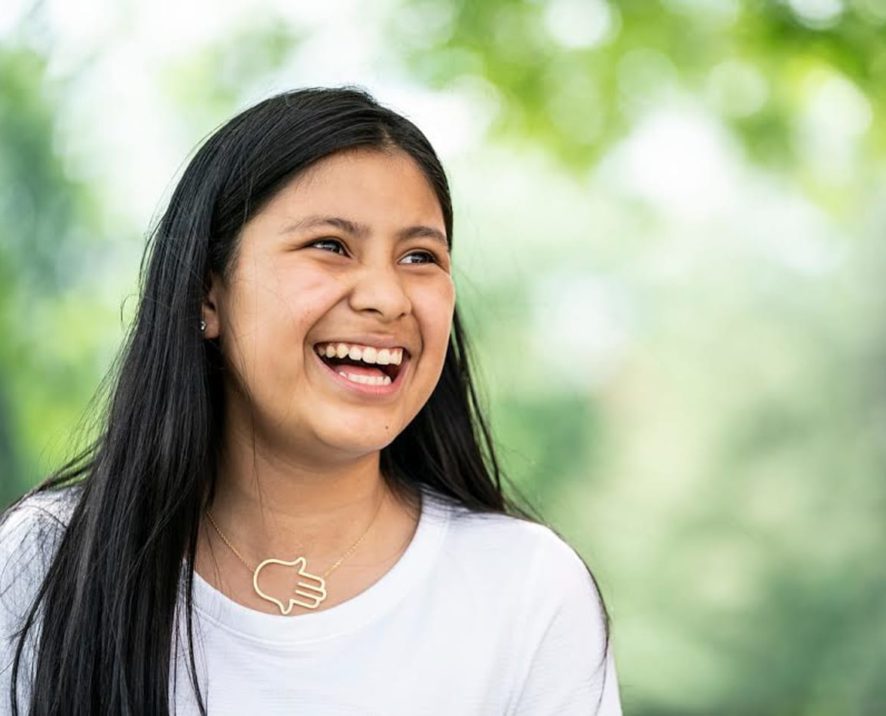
x=366, y=354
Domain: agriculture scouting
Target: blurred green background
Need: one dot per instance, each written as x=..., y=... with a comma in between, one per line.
x=670, y=244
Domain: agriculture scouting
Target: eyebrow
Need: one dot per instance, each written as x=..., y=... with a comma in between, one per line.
x=362, y=230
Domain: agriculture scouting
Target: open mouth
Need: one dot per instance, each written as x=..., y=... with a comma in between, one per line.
x=364, y=364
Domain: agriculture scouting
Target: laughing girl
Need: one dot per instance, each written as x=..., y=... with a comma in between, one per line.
x=294, y=506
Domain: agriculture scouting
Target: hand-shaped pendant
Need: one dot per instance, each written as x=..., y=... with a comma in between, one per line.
x=310, y=588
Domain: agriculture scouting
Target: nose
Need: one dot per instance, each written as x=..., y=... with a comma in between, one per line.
x=380, y=290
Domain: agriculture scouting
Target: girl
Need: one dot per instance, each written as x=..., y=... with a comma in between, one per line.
x=294, y=505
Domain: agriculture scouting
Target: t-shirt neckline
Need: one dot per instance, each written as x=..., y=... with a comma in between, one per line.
x=370, y=604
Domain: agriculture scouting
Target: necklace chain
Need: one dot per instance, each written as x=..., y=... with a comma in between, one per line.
x=310, y=589
x=329, y=571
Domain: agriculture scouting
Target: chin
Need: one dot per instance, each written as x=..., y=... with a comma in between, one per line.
x=359, y=443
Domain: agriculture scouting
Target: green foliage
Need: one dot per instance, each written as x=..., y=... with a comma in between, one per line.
x=41, y=206
x=206, y=86
x=577, y=89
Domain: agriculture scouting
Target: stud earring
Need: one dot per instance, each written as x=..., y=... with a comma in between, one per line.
x=202, y=325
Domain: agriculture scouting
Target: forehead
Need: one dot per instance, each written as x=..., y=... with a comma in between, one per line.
x=364, y=185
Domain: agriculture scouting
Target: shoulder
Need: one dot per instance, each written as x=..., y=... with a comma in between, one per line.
x=29, y=534
x=520, y=540
x=507, y=548
x=530, y=582
x=34, y=515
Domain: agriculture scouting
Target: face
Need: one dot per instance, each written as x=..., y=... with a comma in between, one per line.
x=336, y=318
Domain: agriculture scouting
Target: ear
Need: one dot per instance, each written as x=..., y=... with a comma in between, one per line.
x=210, y=309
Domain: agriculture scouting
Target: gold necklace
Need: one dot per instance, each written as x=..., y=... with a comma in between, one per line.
x=310, y=589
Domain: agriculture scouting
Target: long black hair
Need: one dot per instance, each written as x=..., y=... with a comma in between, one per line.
x=106, y=607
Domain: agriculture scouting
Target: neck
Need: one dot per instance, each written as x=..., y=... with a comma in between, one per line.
x=268, y=505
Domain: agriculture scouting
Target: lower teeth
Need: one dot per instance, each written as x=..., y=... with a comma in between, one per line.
x=366, y=379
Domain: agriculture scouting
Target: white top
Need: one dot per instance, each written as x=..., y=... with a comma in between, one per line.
x=481, y=615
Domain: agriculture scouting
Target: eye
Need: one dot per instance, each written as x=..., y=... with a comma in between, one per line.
x=420, y=257
x=333, y=245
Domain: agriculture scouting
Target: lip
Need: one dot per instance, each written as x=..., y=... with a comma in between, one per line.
x=378, y=391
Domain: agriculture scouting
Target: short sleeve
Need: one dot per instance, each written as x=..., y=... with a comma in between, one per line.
x=570, y=669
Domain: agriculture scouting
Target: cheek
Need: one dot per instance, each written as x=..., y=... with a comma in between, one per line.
x=273, y=311
x=305, y=297
x=434, y=308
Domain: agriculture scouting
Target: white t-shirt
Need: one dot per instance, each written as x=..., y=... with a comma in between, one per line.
x=482, y=615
